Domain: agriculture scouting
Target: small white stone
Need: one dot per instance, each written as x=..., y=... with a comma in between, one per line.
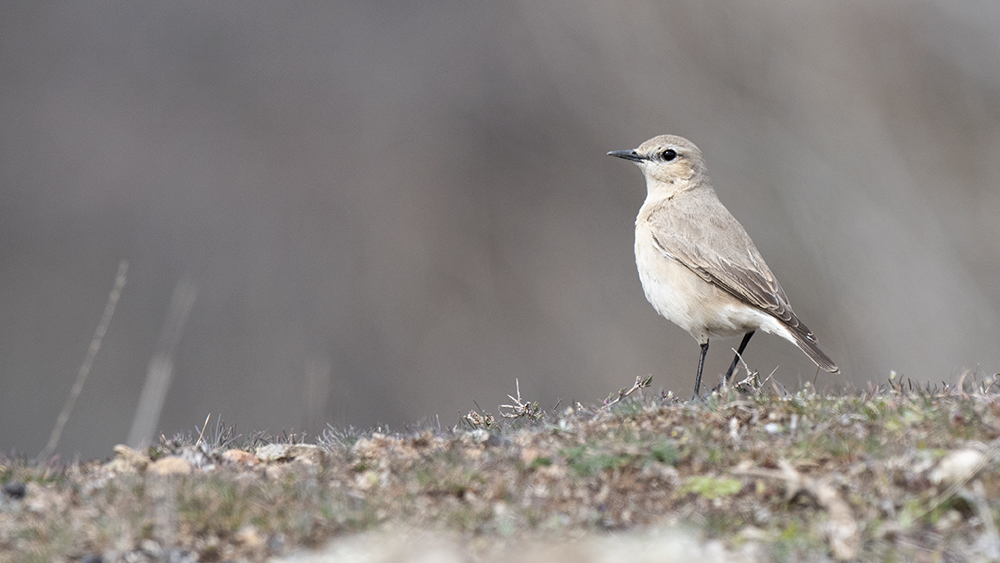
x=957, y=466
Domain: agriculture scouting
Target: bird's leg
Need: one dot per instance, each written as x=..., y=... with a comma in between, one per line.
x=701, y=364
x=739, y=353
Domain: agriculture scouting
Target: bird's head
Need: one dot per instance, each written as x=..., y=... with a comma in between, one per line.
x=667, y=159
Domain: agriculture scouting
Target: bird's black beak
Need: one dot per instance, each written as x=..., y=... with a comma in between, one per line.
x=628, y=155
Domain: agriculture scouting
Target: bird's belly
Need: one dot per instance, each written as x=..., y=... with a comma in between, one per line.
x=684, y=298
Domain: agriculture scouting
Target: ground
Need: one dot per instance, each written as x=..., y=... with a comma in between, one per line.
x=751, y=473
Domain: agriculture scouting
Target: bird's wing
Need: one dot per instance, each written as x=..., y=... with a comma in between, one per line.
x=698, y=231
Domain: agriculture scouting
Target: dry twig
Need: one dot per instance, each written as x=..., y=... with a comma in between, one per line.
x=81, y=375
x=640, y=382
x=843, y=532
x=520, y=409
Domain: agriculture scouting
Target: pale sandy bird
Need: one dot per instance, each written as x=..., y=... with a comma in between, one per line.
x=698, y=267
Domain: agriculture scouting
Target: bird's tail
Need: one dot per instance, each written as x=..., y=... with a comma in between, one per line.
x=806, y=342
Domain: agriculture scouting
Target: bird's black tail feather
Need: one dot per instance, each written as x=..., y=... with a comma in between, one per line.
x=806, y=342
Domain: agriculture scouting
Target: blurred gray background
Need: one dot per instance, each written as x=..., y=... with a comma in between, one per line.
x=394, y=209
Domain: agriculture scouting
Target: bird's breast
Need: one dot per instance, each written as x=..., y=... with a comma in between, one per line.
x=684, y=298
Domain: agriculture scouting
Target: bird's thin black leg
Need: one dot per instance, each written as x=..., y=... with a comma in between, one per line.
x=701, y=364
x=739, y=353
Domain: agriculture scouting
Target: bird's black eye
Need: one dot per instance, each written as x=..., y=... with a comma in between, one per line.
x=668, y=155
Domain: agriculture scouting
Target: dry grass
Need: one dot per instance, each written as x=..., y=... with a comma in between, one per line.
x=885, y=474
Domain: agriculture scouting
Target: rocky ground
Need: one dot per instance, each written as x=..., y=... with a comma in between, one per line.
x=749, y=474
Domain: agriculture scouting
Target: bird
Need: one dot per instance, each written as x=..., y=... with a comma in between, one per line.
x=698, y=267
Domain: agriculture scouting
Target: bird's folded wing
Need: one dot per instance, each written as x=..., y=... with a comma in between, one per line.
x=713, y=244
